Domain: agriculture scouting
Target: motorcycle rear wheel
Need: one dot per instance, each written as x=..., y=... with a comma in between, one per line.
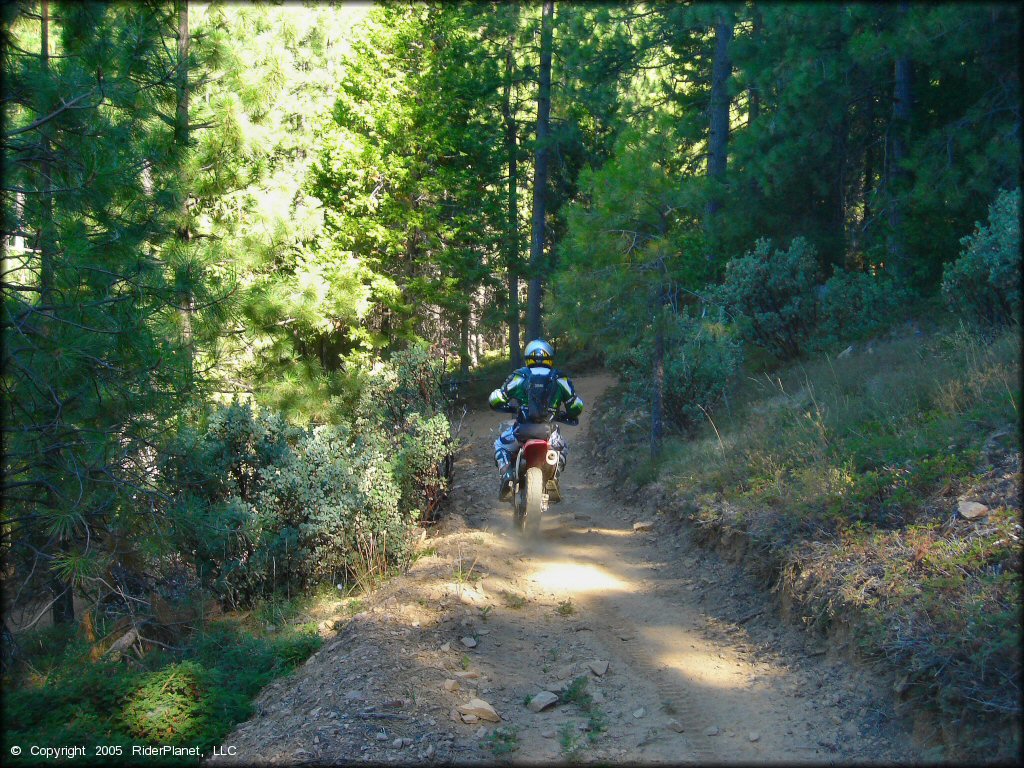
x=532, y=502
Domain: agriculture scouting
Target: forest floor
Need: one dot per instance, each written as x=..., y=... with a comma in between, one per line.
x=682, y=656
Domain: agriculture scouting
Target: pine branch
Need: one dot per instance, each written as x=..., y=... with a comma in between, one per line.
x=165, y=118
x=65, y=105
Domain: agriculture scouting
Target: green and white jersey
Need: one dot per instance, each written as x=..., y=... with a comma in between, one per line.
x=559, y=392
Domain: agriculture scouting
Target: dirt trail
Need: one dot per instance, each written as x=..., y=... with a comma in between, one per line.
x=699, y=670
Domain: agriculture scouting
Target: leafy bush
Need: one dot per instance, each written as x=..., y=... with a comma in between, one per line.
x=772, y=295
x=983, y=284
x=423, y=466
x=700, y=358
x=404, y=406
x=855, y=305
x=411, y=382
x=188, y=697
x=264, y=507
x=171, y=704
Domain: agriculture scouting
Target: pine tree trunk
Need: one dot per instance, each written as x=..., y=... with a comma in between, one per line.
x=540, y=176
x=181, y=135
x=869, y=166
x=63, y=609
x=902, y=111
x=181, y=116
x=754, y=97
x=658, y=380
x=753, y=92
x=718, y=138
x=839, y=183
x=464, y=342
x=515, y=348
x=46, y=219
x=515, y=351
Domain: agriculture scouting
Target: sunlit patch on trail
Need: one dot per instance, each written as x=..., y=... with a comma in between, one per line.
x=575, y=577
x=705, y=669
x=684, y=652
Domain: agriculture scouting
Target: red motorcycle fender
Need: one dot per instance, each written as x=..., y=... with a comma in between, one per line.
x=534, y=454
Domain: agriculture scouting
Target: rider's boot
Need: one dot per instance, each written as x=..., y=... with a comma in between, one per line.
x=505, y=483
x=503, y=460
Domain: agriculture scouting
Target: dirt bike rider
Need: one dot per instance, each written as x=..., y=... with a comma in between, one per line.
x=551, y=389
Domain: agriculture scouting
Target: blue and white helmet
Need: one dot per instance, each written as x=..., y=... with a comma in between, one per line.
x=539, y=352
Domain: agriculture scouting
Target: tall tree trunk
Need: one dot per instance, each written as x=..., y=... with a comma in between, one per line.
x=46, y=234
x=902, y=111
x=658, y=377
x=540, y=176
x=754, y=96
x=839, y=184
x=181, y=136
x=464, y=342
x=869, y=166
x=181, y=80
x=63, y=609
x=718, y=138
x=515, y=351
x=753, y=91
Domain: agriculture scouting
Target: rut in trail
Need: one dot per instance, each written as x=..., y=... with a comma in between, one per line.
x=695, y=672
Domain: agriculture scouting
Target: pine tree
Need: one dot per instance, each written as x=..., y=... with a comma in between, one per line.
x=92, y=373
x=414, y=183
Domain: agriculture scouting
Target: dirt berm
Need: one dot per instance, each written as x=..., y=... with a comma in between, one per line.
x=684, y=657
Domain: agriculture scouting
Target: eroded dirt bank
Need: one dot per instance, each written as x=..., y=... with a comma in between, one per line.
x=698, y=669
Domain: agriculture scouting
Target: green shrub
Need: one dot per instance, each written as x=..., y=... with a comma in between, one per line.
x=411, y=382
x=345, y=501
x=78, y=695
x=404, y=406
x=983, y=284
x=772, y=296
x=193, y=696
x=700, y=359
x=171, y=705
x=423, y=466
x=856, y=305
x=264, y=507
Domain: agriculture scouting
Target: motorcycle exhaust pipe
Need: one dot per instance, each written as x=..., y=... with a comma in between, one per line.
x=552, y=458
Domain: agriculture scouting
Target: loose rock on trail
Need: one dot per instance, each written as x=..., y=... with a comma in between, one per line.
x=653, y=625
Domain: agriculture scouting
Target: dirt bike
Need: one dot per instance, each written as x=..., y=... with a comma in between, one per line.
x=534, y=485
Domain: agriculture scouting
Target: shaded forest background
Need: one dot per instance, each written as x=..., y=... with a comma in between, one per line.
x=251, y=251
